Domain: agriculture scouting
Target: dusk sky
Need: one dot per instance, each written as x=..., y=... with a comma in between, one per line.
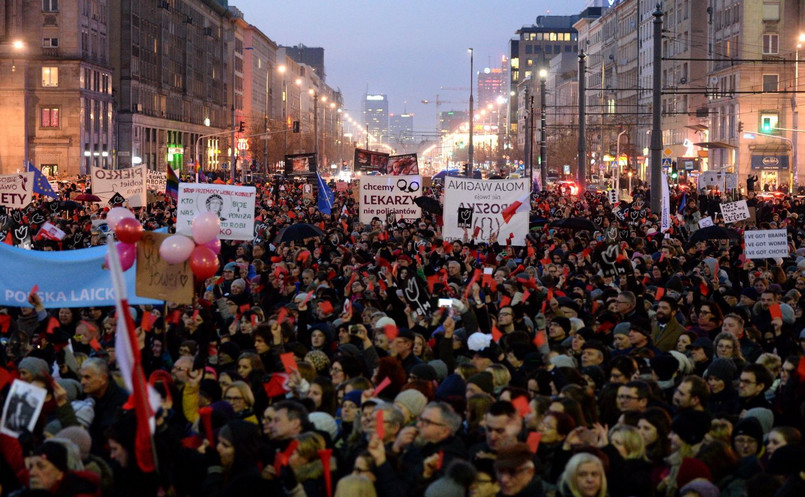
x=406, y=49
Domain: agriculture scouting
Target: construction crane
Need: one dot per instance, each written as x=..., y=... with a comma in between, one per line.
x=454, y=88
x=438, y=103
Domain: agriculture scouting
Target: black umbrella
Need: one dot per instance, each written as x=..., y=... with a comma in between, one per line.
x=713, y=233
x=575, y=223
x=298, y=232
x=534, y=219
x=69, y=205
x=429, y=204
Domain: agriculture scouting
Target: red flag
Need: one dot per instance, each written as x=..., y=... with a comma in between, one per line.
x=515, y=207
x=147, y=322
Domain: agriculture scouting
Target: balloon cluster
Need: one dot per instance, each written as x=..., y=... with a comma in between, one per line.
x=202, y=250
x=129, y=231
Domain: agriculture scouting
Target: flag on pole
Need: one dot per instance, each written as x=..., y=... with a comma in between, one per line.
x=326, y=197
x=144, y=398
x=172, y=184
x=41, y=184
x=665, y=206
x=522, y=204
x=683, y=202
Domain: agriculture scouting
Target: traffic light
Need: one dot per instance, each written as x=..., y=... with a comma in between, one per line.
x=296, y=126
x=466, y=170
x=241, y=127
x=740, y=126
x=766, y=126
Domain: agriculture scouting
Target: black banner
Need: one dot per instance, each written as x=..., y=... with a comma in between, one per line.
x=465, y=217
x=300, y=164
x=367, y=161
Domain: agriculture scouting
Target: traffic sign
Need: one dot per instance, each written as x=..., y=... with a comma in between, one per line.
x=666, y=162
x=667, y=152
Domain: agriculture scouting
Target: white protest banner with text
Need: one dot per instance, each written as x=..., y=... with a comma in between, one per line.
x=705, y=222
x=234, y=205
x=384, y=195
x=130, y=183
x=762, y=244
x=735, y=211
x=16, y=190
x=488, y=200
x=156, y=181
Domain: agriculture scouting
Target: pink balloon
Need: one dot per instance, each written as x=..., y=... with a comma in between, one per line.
x=129, y=230
x=176, y=249
x=206, y=227
x=203, y=262
x=115, y=215
x=214, y=245
x=126, y=252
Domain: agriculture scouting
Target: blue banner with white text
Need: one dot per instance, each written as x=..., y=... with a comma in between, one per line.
x=69, y=278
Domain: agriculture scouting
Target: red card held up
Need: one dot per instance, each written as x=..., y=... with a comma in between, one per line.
x=34, y=290
x=521, y=404
x=380, y=387
x=441, y=460
x=801, y=368
x=380, y=427
x=95, y=344
x=288, y=362
x=496, y=334
x=775, y=311
x=391, y=331
x=533, y=441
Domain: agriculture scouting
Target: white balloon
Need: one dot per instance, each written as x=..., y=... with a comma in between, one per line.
x=115, y=215
x=176, y=249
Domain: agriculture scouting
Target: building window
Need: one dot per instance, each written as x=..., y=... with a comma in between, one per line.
x=50, y=76
x=770, y=82
x=771, y=44
x=50, y=42
x=50, y=117
x=50, y=5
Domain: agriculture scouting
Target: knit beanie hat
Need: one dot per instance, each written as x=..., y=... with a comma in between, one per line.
x=440, y=367
x=424, y=372
x=723, y=369
x=79, y=436
x=692, y=469
x=324, y=422
x=750, y=427
x=622, y=328
x=34, y=365
x=354, y=396
x=84, y=411
x=458, y=478
x=563, y=322
x=764, y=416
x=691, y=426
x=71, y=386
x=55, y=453
x=703, y=488
x=452, y=386
x=484, y=381
x=413, y=400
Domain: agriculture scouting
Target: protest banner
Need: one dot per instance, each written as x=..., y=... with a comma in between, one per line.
x=156, y=181
x=401, y=165
x=22, y=408
x=705, y=222
x=491, y=202
x=130, y=183
x=156, y=279
x=761, y=244
x=16, y=190
x=732, y=212
x=367, y=160
x=384, y=195
x=300, y=164
x=66, y=278
x=234, y=206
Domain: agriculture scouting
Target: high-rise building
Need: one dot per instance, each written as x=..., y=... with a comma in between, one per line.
x=376, y=115
x=401, y=128
x=491, y=85
x=56, y=86
x=312, y=57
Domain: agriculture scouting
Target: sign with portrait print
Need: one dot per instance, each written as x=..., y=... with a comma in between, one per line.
x=300, y=164
x=234, y=206
x=21, y=410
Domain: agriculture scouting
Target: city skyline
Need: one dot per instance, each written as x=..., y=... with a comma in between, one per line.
x=408, y=68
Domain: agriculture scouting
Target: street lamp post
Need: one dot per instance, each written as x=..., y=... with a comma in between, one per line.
x=282, y=69
x=471, y=150
x=19, y=46
x=795, y=113
x=315, y=95
x=617, y=181
x=543, y=149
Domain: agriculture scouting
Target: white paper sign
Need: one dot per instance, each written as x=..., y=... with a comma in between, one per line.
x=130, y=183
x=384, y=195
x=762, y=244
x=234, y=205
x=705, y=222
x=22, y=408
x=489, y=200
x=156, y=181
x=16, y=190
x=735, y=211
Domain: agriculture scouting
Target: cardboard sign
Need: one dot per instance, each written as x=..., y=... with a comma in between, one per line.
x=130, y=183
x=465, y=217
x=761, y=244
x=488, y=200
x=735, y=211
x=16, y=190
x=156, y=278
x=22, y=408
x=384, y=195
x=705, y=222
x=234, y=205
x=156, y=181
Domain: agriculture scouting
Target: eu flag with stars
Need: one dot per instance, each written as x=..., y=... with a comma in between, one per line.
x=41, y=185
x=326, y=197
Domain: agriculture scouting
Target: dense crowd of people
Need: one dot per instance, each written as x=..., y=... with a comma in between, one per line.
x=674, y=369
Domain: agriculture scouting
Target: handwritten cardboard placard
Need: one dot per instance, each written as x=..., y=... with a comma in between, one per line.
x=156, y=278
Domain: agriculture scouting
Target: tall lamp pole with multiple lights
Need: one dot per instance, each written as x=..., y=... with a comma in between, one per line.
x=19, y=47
x=543, y=146
x=471, y=150
x=795, y=113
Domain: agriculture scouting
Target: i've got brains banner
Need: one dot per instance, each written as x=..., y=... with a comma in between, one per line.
x=499, y=207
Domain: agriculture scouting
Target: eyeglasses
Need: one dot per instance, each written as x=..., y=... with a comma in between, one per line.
x=744, y=381
x=336, y=370
x=426, y=421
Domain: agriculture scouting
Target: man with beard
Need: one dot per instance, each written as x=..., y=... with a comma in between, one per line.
x=665, y=329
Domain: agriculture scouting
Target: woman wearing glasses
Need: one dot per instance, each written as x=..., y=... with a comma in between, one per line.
x=241, y=398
